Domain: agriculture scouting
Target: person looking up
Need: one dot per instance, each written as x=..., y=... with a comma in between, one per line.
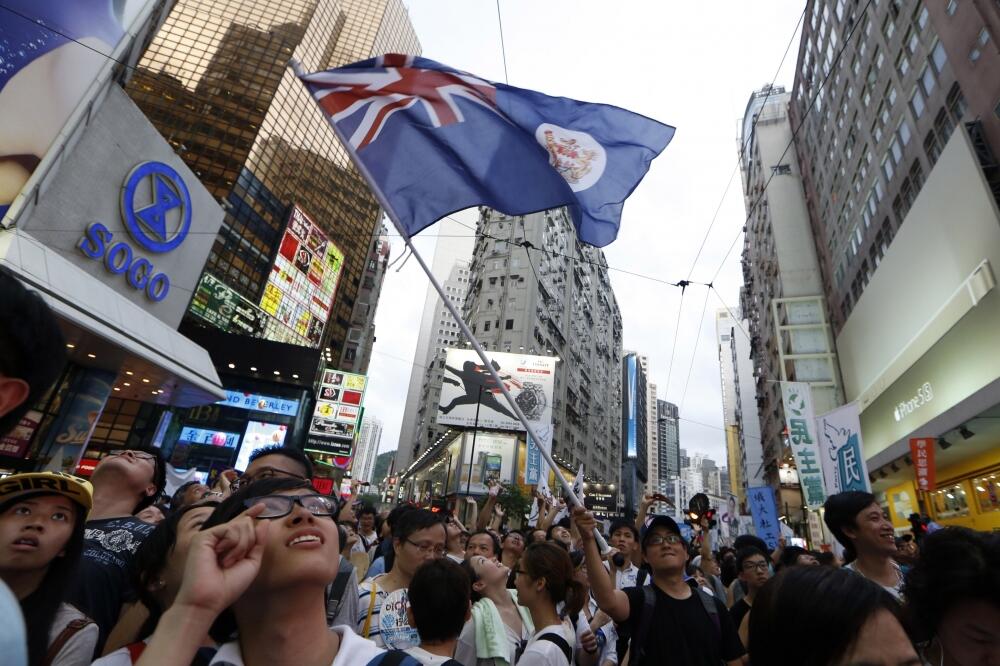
x=276, y=460
x=754, y=572
x=868, y=538
x=827, y=617
x=500, y=627
x=483, y=543
x=153, y=514
x=544, y=579
x=953, y=594
x=559, y=533
x=259, y=568
x=793, y=556
x=457, y=537
x=42, y=516
x=125, y=482
x=188, y=493
x=624, y=539
x=439, y=608
x=157, y=577
x=419, y=536
x=511, y=548
x=682, y=625
x=536, y=536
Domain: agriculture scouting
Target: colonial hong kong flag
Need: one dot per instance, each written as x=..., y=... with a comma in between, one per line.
x=437, y=140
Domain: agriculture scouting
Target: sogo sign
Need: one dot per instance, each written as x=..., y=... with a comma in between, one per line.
x=156, y=209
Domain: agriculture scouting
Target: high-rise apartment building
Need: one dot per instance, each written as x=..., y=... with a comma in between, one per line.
x=668, y=453
x=367, y=450
x=898, y=108
x=357, y=352
x=635, y=431
x=783, y=293
x=215, y=83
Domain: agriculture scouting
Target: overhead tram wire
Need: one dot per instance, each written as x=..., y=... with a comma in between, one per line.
x=795, y=133
x=697, y=339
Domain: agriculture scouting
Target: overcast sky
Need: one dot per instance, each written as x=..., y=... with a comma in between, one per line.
x=692, y=65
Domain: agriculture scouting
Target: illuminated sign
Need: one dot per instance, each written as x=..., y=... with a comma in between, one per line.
x=260, y=403
x=338, y=408
x=156, y=209
x=205, y=437
x=257, y=436
x=924, y=395
x=630, y=434
x=300, y=289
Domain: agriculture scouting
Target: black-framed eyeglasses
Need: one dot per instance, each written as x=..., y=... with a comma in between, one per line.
x=264, y=473
x=759, y=566
x=426, y=548
x=141, y=455
x=279, y=506
x=658, y=539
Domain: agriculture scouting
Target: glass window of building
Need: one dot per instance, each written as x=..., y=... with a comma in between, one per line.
x=987, y=490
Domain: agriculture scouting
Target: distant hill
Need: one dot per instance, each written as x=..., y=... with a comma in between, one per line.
x=382, y=462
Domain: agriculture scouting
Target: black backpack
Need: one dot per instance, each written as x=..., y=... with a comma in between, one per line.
x=335, y=590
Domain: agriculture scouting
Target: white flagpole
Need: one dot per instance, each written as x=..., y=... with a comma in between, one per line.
x=390, y=212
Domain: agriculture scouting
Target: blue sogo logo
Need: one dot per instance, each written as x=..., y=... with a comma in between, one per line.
x=156, y=210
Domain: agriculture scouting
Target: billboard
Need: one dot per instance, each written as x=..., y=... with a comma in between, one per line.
x=258, y=435
x=468, y=385
x=336, y=416
x=205, y=437
x=300, y=289
x=491, y=459
x=797, y=399
x=220, y=305
x=260, y=403
x=632, y=371
x=45, y=75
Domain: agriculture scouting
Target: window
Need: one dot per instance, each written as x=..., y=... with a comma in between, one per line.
x=975, y=54
x=932, y=147
x=951, y=8
x=922, y=17
x=987, y=492
x=887, y=169
x=956, y=102
x=927, y=80
x=888, y=28
x=486, y=325
x=509, y=325
x=902, y=64
x=984, y=37
x=781, y=169
x=917, y=103
x=938, y=57
x=904, y=133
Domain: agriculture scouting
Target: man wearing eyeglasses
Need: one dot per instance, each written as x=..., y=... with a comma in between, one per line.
x=125, y=482
x=751, y=566
x=668, y=621
x=273, y=461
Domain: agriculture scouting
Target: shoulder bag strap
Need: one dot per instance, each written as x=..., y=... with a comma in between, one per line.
x=371, y=609
x=561, y=643
x=67, y=633
x=708, y=602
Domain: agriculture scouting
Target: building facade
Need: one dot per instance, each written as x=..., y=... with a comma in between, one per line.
x=668, y=446
x=438, y=331
x=635, y=431
x=215, y=83
x=911, y=183
x=367, y=450
x=357, y=352
x=783, y=296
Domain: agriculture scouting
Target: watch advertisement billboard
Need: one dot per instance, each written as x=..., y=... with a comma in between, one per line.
x=303, y=281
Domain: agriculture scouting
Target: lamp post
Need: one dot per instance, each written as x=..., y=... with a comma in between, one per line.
x=472, y=453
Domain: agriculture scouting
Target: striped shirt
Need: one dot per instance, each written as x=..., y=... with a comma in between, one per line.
x=382, y=617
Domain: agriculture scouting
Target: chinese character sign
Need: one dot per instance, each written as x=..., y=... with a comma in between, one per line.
x=765, y=514
x=841, y=450
x=797, y=399
x=533, y=460
x=922, y=452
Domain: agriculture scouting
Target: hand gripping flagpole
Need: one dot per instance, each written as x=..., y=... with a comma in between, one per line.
x=390, y=212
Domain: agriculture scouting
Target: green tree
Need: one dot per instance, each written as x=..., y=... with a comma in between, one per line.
x=515, y=504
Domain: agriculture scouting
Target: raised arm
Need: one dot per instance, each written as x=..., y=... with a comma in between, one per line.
x=613, y=602
x=487, y=513
x=644, y=504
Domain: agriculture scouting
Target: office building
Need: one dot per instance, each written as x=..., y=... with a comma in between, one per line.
x=783, y=293
x=436, y=333
x=907, y=235
x=215, y=82
x=357, y=352
x=635, y=431
x=668, y=447
x=366, y=450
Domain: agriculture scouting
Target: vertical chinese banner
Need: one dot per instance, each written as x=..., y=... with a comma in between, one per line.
x=841, y=450
x=922, y=452
x=801, y=421
x=765, y=514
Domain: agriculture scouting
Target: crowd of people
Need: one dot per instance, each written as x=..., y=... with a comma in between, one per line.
x=261, y=569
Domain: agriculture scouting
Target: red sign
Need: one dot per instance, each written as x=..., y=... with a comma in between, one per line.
x=922, y=452
x=322, y=485
x=86, y=466
x=15, y=444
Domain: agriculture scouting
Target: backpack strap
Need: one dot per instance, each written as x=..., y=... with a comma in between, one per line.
x=335, y=591
x=561, y=643
x=67, y=633
x=638, y=642
x=708, y=602
x=394, y=658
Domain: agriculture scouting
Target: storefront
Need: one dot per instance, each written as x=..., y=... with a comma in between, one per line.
x=919, y=352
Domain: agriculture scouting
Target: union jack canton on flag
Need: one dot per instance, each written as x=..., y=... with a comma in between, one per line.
x=436, y=140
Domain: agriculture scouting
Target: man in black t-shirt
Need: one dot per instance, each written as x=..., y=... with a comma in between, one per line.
x=682, y=629
x=751, y=566
x=125, y=482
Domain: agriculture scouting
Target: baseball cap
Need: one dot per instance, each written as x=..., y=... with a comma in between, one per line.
x=660, y=521
x=45, y=483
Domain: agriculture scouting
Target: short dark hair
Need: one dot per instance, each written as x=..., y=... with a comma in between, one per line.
x=289, y=452
x=523, y=536
x=159, y=477
x=439, y=597
x=744, y=554
x=364, y=510
x=621, y=523
x=791, y=554
x=497, y=549
x=176, y=500
x=825, y=631
x=32, y=347
x=956, y=564
x=750, y=540
x=224, y=627
x=414, y=521
x=552, y=562
x=840, y=511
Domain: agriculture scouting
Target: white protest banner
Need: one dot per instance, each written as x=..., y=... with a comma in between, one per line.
x=841, y=451
x=801, y=421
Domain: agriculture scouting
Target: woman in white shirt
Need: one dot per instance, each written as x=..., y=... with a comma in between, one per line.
x=544, y=579
x=499, y=627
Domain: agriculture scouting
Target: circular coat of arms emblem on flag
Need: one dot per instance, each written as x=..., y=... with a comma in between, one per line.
x=575, y=155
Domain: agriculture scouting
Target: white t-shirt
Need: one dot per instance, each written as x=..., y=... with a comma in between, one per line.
x=547, y=653
x=388, y=625
x=354, y=651
x=895, y=590
x=79, y=649
x=625, y=577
